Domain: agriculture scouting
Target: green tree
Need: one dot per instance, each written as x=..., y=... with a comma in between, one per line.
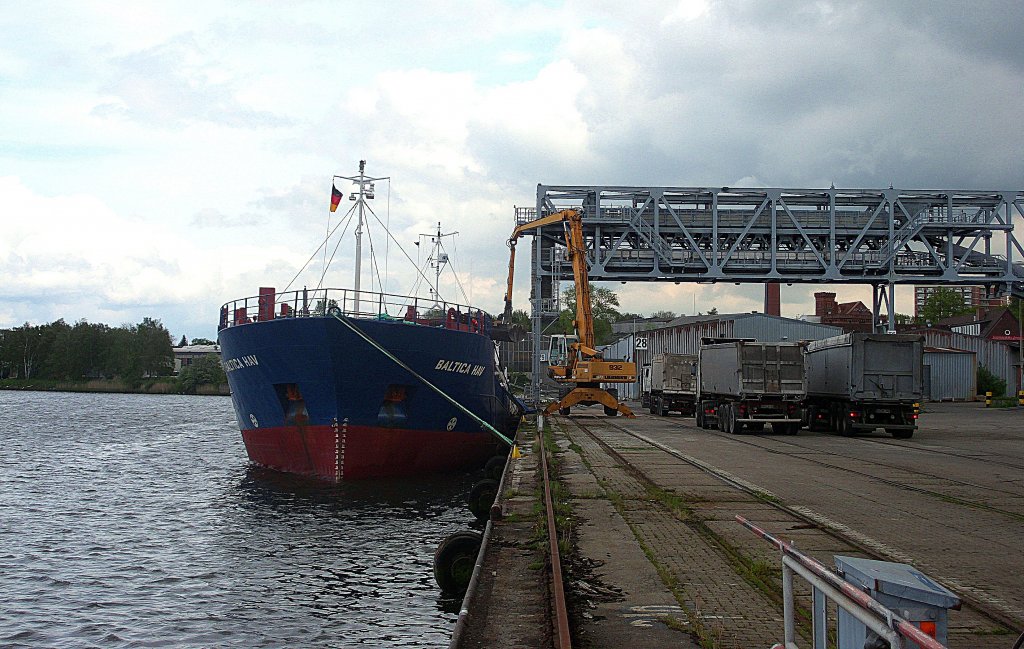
x=943, y=303
x=202, y=341
x=522, y=318
x=60, y=359
x=989, y=382
x=89, y=345
x=204, y=370
x=24, y=350
x=602, y=307
x=155, y=354
x=664, y=314
x=603, y=302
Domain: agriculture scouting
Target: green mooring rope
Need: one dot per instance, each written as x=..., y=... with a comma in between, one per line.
x=494, y=431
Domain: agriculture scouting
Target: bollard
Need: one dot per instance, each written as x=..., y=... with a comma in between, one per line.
x=988, y=399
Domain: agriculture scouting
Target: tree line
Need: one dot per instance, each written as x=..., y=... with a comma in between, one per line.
x=84, y=350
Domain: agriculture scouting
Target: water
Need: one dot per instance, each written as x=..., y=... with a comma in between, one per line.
x=135, y=521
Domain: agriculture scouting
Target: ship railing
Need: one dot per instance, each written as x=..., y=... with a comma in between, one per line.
x=327, y=302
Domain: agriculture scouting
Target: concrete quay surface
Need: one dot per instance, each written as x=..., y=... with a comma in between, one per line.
x=657, y=560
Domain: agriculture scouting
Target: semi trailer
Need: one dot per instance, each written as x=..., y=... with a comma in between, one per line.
x=669, y=384
x=743, y=385
x=858, y=382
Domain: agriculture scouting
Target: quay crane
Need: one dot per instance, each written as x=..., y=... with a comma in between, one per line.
x=584, y=366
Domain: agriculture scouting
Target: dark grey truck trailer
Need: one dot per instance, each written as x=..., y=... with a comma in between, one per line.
x=858, y=382
x=743, y=385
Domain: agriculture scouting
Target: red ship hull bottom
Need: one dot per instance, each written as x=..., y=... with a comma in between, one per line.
x=345, y=452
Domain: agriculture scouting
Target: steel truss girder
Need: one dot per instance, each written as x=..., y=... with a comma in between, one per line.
x=875, y=236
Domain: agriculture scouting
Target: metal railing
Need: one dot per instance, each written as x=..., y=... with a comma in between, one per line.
x=326, y=302
x=826, y=586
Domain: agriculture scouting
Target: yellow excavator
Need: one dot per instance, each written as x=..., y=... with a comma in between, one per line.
x=584, y=367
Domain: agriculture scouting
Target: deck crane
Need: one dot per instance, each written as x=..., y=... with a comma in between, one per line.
x=584, y=365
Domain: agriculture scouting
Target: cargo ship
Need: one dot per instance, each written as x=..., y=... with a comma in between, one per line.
x=344, y=384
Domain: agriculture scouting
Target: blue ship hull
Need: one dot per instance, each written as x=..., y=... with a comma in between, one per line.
x=313, y=397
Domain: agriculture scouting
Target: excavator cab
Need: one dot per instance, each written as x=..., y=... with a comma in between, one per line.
x=559, y=348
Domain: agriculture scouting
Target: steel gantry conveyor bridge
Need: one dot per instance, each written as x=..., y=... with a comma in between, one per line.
x=881, y=237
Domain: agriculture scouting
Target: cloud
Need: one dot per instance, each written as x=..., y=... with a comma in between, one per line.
x=173, y=157
x=175, y=84
x=89, y=262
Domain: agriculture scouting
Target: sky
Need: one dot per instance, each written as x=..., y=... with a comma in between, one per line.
x=161, y=159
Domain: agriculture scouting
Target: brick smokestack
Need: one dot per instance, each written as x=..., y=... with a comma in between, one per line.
x=772, y=298
x=824, y=304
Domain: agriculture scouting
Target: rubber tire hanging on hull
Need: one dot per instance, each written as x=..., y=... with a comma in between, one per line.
x=495, y=467
x=481, y=497
x=454, y=560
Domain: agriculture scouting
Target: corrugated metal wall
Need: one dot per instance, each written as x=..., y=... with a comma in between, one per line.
x=997, y=357
x=950, y=376
x=774, y=329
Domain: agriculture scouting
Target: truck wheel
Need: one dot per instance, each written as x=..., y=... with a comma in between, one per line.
x=844, y=427
x=900, y=433
x=611, y=412
x=662, y=410
x=699, y=416
x=793, y=429
x=564, y=412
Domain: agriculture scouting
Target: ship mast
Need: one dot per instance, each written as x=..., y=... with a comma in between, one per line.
x=363, y=193
x=437, y=259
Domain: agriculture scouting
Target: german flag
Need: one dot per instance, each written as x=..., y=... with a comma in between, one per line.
x=336, y=197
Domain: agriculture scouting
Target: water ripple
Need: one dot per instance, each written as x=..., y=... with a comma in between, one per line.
x=135, y=521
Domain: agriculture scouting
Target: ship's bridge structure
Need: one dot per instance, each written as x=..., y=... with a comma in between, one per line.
x=881, y=237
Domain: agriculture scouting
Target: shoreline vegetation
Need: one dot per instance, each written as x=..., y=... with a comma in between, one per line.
x=158, y=385
x=86, y=357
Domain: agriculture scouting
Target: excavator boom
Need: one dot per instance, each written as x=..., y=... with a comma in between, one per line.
x=585, y=367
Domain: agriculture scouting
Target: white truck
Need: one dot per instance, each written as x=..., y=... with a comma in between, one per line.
x=669, y=384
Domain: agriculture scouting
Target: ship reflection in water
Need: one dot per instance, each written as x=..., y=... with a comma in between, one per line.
x=360, y=549
x=134, y=520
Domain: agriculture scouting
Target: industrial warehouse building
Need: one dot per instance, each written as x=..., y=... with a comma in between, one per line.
x=950, y=361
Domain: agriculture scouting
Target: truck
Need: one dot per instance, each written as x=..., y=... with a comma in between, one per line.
x=744, y=384
x=670, y=384
x=857, y=382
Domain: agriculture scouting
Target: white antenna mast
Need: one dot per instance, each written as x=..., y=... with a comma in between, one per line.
x=363, y=193
x=438, y=258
